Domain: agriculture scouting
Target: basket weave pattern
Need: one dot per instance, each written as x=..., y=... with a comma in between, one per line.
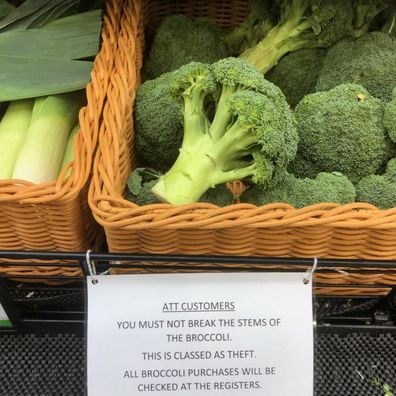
x=323, y=230
x=56, y=215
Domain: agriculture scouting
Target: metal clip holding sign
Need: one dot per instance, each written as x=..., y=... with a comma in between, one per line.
x=309, y=274
x=90, y=264
x=91, y=267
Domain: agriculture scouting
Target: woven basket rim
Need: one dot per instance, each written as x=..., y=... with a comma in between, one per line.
x=113, y=212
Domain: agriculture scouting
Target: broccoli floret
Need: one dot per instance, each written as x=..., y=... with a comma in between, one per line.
x=326, y=187
x=219, y=196
x=302, y=24
x=342, y=130
x=376, y=190
x=257, y=24
x=158, y=123
x=390, y=117
x=303, y=168
x=252, y=133
x=296, y=73
x=369, y=61
x=179, y=41
x=365, y=12
x=390, y=172
x=379, y=190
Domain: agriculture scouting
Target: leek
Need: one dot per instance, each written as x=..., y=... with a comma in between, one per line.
x=13, y=129
x=40, y=156
x=5, y=8
x=72, y=37
x=68, y=155
x=22, y=77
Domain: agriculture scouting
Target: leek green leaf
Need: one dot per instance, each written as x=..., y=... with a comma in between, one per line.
x=53, y=14
x=84, y=21
x=39, y=17
x=5, y=8
x=60, y=42
x=27, y=8
x=23, y=77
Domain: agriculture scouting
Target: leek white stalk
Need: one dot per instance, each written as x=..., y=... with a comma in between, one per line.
x=68, y=155
x=13, y=129
x=41, y=154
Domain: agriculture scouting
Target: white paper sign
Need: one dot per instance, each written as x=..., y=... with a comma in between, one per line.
x=200, y=334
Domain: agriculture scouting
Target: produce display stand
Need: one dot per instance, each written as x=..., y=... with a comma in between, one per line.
x=45, y=353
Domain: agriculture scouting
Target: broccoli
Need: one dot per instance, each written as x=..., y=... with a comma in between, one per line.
x=219, y=196
x=379, y=190
x=390, y=172
x=326, y=187
x=297, y=72
x=365, y=12
x=159, y=126
x=369, y=61
x=303, y=168
x=342, y=130
x=142, y=180
x=252, y=133
x=302, y=24
x=158, y=123
x=179, y=41
x=257, y=24
x=390, y=117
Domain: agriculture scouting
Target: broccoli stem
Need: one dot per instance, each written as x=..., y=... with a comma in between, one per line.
x=223, y=113
x=195, y=120
x=189, y=178
x=282, y=39
x=205, y=165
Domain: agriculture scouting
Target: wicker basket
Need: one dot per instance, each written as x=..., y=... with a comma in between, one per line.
x=56, y=215
x=277, y=230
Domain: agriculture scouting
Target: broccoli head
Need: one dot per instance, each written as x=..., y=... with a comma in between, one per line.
x=378, y=190
x=390, y=172
x=158, y=123
x=179, y=41
x=302, y=24
x=342, y=130
x=390, y=117
x=252, y=134
x=219, y=196
x=296, y=73
x=326, y=187
x=303, y=168
x=368, y=61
